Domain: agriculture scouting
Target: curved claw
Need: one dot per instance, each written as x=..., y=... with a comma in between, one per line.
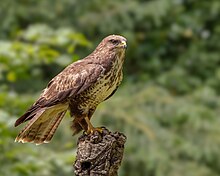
x=92, y=130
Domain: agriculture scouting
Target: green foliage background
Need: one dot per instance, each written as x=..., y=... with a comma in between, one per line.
x=168, y=105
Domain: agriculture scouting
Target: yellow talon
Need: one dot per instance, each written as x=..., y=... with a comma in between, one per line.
x=92, y=129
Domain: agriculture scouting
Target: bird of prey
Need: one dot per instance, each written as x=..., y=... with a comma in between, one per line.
x=79, y=88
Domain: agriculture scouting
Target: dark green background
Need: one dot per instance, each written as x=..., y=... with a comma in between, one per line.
x=168, y=105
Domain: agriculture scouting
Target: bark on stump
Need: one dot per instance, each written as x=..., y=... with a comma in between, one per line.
x=99, y=154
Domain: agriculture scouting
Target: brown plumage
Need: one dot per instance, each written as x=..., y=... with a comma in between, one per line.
x=79, y=88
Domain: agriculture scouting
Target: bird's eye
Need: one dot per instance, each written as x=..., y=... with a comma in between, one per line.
x=115, y=42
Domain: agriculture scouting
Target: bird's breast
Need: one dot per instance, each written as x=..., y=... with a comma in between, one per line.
x=101, y=89
x=98, y=92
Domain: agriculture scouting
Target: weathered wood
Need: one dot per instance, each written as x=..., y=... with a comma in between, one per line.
x=99, y=154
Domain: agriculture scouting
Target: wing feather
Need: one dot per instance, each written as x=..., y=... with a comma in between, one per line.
x=73, y=80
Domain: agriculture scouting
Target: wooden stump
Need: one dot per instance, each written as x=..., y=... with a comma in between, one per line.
x=99, y=154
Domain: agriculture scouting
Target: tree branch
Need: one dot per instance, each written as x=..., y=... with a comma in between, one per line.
x=99, y=154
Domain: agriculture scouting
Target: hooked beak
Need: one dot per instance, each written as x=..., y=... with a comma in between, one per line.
x=123, y=44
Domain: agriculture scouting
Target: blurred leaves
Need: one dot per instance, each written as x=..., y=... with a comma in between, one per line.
x=178, y=133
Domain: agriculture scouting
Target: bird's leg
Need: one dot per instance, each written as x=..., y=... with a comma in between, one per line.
x=90, y=128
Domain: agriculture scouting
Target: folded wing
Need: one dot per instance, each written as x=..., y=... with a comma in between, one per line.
x=47, y=112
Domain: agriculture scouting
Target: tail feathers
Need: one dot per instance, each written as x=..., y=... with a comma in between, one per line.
x=51, y=132
x=28, y=129
x=42, y=126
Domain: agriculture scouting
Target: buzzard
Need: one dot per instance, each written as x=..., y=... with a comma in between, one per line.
x=79, y=88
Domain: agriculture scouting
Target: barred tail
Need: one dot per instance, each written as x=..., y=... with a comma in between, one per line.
x=42, y=126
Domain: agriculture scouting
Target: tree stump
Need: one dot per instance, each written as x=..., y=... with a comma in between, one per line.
x=99, y=154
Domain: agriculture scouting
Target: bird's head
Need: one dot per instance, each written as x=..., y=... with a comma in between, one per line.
x=113, y=43
x=110, y=50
